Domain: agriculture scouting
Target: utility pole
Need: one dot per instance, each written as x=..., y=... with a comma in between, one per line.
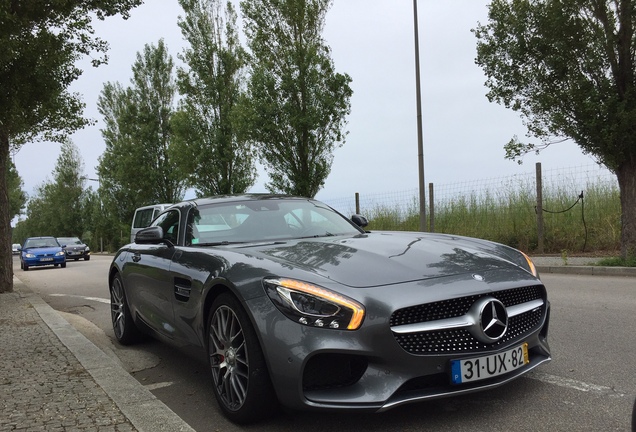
x=420, y=145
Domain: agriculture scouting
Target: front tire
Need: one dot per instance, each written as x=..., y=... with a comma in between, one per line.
x=241, y=380
x=63, y=265
x=124, y=327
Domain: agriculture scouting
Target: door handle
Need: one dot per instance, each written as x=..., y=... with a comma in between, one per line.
x=136, y=257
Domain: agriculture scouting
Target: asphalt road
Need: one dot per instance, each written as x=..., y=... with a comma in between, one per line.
x=589, y=386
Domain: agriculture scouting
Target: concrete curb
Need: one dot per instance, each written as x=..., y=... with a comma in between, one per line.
x=138, y=404
x=588, y=270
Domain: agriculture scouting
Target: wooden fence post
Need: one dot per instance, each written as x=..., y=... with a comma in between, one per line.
x=539, y=209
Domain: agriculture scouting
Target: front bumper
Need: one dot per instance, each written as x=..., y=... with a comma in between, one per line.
x=72, y=254
x=44, y=261
x=368, y=369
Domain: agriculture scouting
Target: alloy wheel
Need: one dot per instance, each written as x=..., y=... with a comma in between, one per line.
x=228, y=358
x=117, y=314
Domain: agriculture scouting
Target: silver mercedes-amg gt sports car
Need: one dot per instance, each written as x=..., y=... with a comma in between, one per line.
x=293, y=304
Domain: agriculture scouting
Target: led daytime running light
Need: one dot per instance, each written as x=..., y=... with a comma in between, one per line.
x=356, y=308
x=533, y=269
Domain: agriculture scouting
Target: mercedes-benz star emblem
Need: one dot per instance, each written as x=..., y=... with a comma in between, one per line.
x=491, y=319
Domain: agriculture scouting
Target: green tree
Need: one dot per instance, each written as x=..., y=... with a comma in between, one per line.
x=17, y=197
x=41, y=42
x=100, y=232
x=212, y=148
x=568, y=67
x=138, y=166
x=56, y=208
x=298, y=103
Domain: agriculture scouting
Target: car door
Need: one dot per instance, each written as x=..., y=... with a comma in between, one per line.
x=148, y=279
x=191, y=267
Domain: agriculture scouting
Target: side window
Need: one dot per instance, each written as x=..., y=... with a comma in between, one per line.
x=169, y=222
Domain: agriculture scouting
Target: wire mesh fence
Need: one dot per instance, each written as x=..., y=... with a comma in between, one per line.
x=504, y=208
x=566, y=180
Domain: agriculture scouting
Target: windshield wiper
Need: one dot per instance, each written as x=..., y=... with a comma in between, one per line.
x=326, y=234
x=221, y=243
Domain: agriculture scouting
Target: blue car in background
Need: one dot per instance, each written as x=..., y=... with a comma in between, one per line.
x=41, y=251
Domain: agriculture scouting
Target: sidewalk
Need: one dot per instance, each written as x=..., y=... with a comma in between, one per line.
x=52, y=378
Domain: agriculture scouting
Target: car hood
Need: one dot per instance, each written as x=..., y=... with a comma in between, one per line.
x=383, y=258
x=43, y=250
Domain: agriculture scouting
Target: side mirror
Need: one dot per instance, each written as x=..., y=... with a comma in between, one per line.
x=149, y=235
x=359, y=220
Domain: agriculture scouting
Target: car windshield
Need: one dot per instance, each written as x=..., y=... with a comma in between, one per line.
x=264, y=220
x=41, y=242
x=69, y=241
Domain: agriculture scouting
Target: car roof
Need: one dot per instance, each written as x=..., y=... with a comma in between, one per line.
x=41, y=237
x=243, y=197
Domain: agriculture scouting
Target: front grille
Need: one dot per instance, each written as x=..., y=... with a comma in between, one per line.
x=457, y=341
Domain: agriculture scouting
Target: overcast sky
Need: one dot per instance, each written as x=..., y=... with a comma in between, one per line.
x=372, y=41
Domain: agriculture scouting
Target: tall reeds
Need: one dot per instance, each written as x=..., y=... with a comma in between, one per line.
x=508, y=215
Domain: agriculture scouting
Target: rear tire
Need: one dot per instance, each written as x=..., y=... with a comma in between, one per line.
x=124, y=327
x=240, y=377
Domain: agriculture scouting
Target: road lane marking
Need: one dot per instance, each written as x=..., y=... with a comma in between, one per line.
x=96, y=299
x=574, y=384
x=156, y=386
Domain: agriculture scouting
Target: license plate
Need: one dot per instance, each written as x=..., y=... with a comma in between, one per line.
x=46, y=259
x=479, y=368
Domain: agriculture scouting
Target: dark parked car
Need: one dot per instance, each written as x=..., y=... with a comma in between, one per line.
x=292, y=303
x=41, y=251
x=75, y=248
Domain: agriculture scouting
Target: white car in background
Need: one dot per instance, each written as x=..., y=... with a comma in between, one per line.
x=144, y=216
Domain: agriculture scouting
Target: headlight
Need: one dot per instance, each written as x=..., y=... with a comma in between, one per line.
x=531, y=265
x=29, y=255
x=60, y=253
x=314, y=306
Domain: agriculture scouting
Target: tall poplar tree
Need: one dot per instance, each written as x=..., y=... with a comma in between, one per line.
x=138, y=166
x=40, y=43
x=298, y=102
x=213, y=149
